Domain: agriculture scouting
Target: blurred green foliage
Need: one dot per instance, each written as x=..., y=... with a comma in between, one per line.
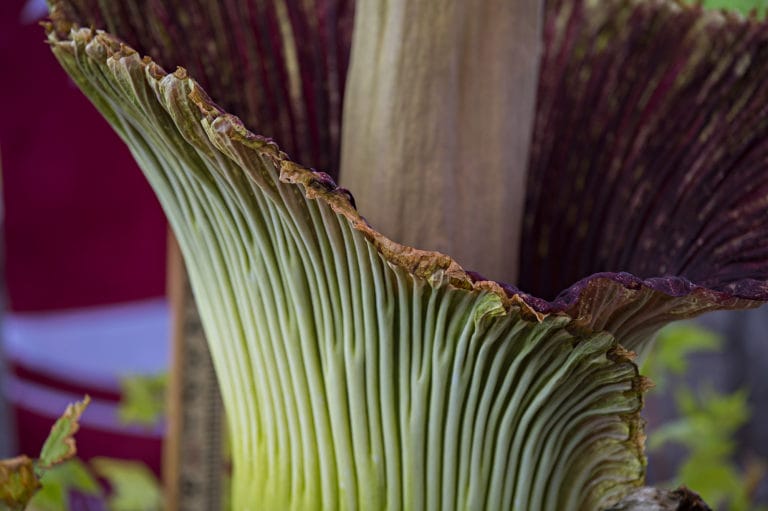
x=143, y=399
x=133, y=487
x=742, y=6
x=707, y=426
x=670, y=355
x=58, y=481
x=21, y=476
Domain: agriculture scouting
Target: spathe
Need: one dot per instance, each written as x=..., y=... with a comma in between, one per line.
x=302, y=299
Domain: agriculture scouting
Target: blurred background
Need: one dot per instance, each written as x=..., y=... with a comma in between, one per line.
x=86, y=312
x=707, y=421
x=84, y=267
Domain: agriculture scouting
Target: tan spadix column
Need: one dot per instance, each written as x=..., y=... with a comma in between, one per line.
x=437, y=121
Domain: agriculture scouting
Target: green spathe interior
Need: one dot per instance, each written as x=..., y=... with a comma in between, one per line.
x=358, y=373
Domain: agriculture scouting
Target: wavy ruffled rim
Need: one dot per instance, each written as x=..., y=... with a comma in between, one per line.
x=614, y=292
x=683, y=297
x=742, y=294
x=435, y=266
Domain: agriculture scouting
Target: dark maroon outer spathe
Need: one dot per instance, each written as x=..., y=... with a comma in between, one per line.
x=649, y=154
x=236, y=49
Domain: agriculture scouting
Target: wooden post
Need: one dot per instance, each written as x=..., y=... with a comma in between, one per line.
x=193, y=466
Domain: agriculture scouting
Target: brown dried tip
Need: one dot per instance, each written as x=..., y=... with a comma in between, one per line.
x=18, y=482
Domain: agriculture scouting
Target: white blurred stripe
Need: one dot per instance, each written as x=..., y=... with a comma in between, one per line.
x=95, y=346
x=51, y=403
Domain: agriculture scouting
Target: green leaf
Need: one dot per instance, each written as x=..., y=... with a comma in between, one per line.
x=706, y=429
x=60, y=444
x=679, y=340
x=59, y=480
x=134, y=486
x=143, y=399
x=20, y=476
x=18, y=482
x=709, y=422
x=675, y=343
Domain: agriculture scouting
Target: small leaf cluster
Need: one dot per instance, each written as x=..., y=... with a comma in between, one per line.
x=20, y=477
x=708, y=423
x=133, y=487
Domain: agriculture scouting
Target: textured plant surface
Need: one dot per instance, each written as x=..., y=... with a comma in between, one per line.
x=358, y=373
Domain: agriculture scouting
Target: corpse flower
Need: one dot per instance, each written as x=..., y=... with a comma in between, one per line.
x=360, y=373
